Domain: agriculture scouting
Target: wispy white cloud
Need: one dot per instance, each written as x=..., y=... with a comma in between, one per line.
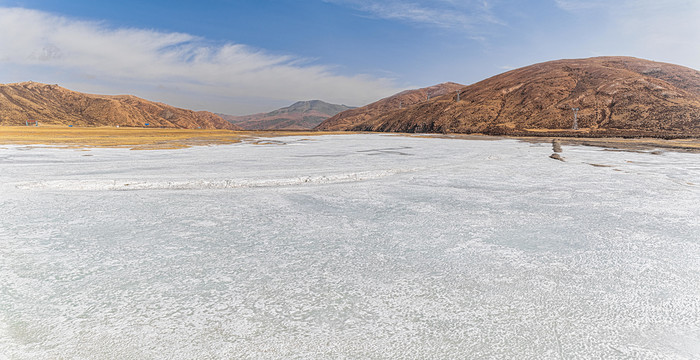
x=204, y=70
x=448, y=14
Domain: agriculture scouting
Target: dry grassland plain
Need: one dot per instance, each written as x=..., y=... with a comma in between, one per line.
x=133, y=138
x=160, y=139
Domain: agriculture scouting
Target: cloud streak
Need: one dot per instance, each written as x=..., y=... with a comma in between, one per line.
x=151, y=59
x=447, y=14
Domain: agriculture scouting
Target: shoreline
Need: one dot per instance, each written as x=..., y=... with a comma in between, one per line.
x=624, y=144
x=618, y=143
x=169, y=138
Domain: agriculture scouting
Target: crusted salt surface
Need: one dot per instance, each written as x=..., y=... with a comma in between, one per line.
x=200, y=184
x=484, y=249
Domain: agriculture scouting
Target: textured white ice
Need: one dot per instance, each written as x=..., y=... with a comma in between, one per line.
x=352, y=246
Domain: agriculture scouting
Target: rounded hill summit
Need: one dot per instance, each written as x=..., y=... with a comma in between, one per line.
x=613, y=95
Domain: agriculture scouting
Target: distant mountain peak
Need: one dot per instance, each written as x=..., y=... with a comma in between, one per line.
x=301, y=115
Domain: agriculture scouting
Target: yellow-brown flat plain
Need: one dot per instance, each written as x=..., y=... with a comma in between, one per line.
x=133, y=138
x=158, y=139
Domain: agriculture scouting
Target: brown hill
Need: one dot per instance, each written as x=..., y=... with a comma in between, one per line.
x=302, y=115
x=350, y=118
x=615, y=95
x=54, y=105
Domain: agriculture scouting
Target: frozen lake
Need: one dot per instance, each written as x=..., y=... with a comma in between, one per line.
x=349, y=246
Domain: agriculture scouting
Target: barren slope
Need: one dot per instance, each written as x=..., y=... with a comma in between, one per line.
x=349, y=118
x=54, y=105
x=615, y=95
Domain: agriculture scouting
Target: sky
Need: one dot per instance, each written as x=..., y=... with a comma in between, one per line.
x=246, y=56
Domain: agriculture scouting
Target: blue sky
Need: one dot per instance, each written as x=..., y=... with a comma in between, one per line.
x=243, y=56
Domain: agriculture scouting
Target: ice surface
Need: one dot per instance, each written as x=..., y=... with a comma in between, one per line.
x=349, y=246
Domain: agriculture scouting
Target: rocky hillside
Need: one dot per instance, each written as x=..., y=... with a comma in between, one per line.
x=302, y=115
x=616, y=96
x=350, y=118
x=54, y=105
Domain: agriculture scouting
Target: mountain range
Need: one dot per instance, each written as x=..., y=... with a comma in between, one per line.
x=600, y=96
x=53, y=105
x=613, y=95
x=302, y=115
